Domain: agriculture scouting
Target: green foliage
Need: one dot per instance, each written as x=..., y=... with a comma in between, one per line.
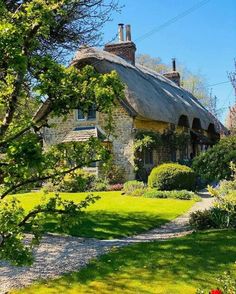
x=35, y=38
x=214, y=164
x=222, y=215
x=14, y=220
x=100, y=185
x=134, y=188
x=172, y=176
x=169, y=140
x=182, y=194
x=201, y=220
x=112, y=172
x=227, y=282
x=77, y=181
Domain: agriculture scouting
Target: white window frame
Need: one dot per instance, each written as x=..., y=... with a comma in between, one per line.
x=85, y=117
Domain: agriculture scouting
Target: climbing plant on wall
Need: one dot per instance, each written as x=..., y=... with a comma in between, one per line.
x=149, y=140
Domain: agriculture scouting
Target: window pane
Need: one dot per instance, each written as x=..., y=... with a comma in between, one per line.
x=92, y=112
x=80, y=114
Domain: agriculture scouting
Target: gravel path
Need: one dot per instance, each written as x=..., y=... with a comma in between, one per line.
x=57, y=255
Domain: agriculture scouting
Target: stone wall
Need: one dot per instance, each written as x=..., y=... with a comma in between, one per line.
x=122, y=139
x=60, y=127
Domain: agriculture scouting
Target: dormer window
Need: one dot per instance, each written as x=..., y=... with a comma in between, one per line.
x=90, y=115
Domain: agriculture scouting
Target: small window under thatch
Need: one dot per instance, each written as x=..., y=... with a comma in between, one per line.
x=183, y=121
x=196, y=124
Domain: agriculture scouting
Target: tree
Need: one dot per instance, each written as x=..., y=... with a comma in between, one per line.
x=194, y=83
x=154, y=63
x=231, y=119
x=215, y=163
x=34, y=37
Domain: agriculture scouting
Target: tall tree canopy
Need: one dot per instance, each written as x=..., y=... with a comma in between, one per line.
x=35, y=36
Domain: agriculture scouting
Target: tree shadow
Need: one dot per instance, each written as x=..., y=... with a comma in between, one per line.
x=193, y=260
x=108, y=225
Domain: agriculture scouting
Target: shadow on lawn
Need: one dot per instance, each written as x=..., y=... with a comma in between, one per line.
x=105, y=225
x=194, y=260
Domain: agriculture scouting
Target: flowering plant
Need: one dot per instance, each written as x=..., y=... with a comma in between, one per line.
x=216, y=291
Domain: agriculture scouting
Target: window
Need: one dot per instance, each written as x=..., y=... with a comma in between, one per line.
x=90, y=115
x=148, y=156
x=92, y=112
x=80, y=115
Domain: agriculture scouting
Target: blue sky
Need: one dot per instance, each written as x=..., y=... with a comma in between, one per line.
x=204, y=40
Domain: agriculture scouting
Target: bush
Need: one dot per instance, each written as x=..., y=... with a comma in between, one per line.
x=132, y=187
x=153, y=193
x=182, y=194
x=100, y=185
x=214, y=164
x=115, y=187
x=222, y=215
x=49, y=186
x=172, y=176
x=201, y=220
x=114, y=173
x=78, y=181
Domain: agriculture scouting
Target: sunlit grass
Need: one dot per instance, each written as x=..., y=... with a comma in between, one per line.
x=114, y=215
x=177, y=266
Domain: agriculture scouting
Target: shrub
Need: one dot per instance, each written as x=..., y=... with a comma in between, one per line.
x=114, y=173
x=78, y=181
x=115, y=187
x=49, y=186
x=138, y=192
x=214, y=164
x=153, y=193
x=201, y=220
x=222, y=215
x=182, y=194
x=133, y=186
x=172, y=176
x=100, y=185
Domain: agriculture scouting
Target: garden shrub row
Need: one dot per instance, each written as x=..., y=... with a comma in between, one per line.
x=223, y=213
x=136, y=188
x=84, y=181
x=177, y=194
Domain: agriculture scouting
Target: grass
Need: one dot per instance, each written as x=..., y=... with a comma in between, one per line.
x=176, y=266
x=114, y=215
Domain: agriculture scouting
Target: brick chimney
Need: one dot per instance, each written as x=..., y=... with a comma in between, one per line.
x=124, y=49
x=173, y=75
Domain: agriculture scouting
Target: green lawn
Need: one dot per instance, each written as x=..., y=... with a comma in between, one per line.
x=177, y=266
x=115, y=215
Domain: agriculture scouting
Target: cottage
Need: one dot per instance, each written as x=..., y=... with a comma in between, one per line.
x=154, y=103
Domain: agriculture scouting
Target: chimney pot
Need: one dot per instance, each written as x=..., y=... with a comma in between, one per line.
x=121, y=32
x=173, y=64
x=128, y=33
x=124, y=49
x=174, y=76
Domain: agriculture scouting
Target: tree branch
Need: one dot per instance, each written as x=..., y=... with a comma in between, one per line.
x=40, y=210
x=35, y=180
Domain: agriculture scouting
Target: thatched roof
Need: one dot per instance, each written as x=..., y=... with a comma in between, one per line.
x=150, y=95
